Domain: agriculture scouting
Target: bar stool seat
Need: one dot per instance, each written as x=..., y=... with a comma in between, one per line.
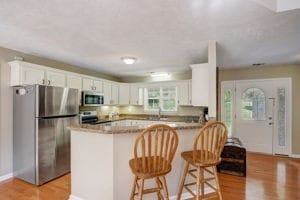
x=212, y=159
x=137, y=168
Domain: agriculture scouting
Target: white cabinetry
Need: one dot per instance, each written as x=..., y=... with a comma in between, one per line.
x=124, y=94
x=32, y=76
x=204, y=87
x=89, y=84
x=111, y=93
x=55, y=78
x=136, y=95
x=200, y=84
x=23, y=73
x=184, y=91
x=74, y=81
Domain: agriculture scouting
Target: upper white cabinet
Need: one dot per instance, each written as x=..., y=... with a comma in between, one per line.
x=74, y=81
x=111, y=93
x=54, y=78
x=92, y=85
x=25, y=73
x=200, y=84
x=184, y=91
x=136, y=94
x=124, y=94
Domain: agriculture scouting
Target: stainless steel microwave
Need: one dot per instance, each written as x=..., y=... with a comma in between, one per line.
x=90, y=98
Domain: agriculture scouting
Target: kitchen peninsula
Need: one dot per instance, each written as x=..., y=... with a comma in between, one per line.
x=100, y=155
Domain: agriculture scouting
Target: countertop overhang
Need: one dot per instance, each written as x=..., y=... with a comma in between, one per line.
x=109, y=129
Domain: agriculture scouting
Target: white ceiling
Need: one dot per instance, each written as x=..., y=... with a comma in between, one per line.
x=164, y=35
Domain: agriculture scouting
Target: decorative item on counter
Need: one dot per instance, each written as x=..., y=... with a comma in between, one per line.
x=202, y=117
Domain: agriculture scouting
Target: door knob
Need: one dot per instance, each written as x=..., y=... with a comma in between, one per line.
x=271, y=123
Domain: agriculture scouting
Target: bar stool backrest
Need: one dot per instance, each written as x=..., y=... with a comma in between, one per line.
x=155, y=148
x=209, y=142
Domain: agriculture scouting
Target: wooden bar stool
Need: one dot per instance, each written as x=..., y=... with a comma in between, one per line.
x=204, y=158
x=154, y=150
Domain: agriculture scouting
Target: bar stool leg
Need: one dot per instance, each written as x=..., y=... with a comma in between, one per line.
x=217, y=182
x=165, y=188
x=158, y=186
x=141, y=189
x=186, y=170
x=133, y=188
x=202, y=182
x=198, y=185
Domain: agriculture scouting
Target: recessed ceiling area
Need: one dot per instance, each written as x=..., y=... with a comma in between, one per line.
x=164, y=36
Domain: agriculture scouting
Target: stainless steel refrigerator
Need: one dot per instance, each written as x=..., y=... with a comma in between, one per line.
x=41, y=139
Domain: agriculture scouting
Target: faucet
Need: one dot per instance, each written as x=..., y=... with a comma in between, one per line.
x=159, y=112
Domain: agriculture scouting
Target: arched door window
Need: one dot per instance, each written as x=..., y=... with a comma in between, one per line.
x=253, y=104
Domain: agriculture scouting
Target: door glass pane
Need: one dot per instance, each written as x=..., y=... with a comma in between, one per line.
x=253, y=104
x=281, y=113
x=227, y=114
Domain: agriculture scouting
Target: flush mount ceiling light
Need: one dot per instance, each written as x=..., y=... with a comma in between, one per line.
x=161, y=74
x=128, y=60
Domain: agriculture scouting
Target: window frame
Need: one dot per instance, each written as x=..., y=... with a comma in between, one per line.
x=161, y=98
x=265, y=105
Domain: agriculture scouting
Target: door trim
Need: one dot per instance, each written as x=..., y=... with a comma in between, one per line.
x=290, y=104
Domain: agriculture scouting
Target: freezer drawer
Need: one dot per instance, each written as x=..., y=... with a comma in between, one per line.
x=53, y=147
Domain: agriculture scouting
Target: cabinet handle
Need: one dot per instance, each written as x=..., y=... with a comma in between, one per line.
x=43, y=81
x=48, y=82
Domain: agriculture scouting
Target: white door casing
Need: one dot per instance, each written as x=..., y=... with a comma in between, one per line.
x=270, y=133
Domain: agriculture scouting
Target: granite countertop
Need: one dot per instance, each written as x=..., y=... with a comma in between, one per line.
x=108, y=128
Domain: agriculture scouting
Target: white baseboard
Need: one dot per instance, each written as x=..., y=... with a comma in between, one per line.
x=5, y=177
x=295, y=155
x=72, y=197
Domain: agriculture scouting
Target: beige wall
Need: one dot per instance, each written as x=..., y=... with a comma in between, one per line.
x=273, y=72
x=6, y=109
x=176, y=76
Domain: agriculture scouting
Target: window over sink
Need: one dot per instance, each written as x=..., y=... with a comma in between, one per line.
x=164, y=98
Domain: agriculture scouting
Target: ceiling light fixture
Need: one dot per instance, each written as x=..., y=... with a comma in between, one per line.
x=128, y=60
x=162, y=74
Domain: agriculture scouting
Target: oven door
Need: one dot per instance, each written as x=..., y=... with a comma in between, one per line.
x=92, y=98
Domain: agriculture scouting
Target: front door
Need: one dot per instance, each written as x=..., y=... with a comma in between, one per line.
x=261, y=114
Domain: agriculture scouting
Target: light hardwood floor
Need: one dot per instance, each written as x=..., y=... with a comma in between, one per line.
x=268, y=178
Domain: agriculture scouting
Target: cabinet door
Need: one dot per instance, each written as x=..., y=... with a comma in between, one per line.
x=190, y=92
x=115, y=94
x=183, y=93
x=200, y=85
x=56, y=79
x=124, y=94
x=32, y=76
x=98, y=85
x=107, y=93
x=87, y=84
x=134, y=95
x=74, y=81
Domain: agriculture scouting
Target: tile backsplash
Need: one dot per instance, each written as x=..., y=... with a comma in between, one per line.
x=136, y=110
